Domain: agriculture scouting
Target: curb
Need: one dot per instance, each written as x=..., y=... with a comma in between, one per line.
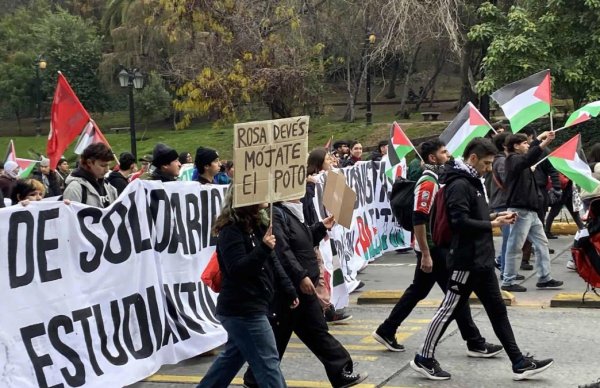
x=392, y=296
x=575, y=299
x=558, y=228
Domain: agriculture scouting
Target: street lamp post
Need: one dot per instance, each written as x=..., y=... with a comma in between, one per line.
x=131, y=79
x=369, y=115
x=40, y=64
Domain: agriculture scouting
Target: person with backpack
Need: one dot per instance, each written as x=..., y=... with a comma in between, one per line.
x=252, y=277
x=525, y=198
x=431, y=263
x=86, y=183
x=470, y=261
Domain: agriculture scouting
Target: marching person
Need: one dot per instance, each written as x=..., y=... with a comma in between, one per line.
x=48, y=178
x=295, y=249
x=471, y=263
x=356, y=151
x=320, y=160
x=251, y=276
x=208, y=165
x=120, y=179
x=86, y=183
x=431, y=263
x=166, y=162
x=62, y=172
x=8, y=178
x=524, y=198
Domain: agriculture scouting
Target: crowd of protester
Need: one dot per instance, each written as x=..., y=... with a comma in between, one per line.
x=273, y=271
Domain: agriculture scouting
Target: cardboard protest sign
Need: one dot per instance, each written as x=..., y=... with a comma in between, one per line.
x=270, y=160
x=339, y=198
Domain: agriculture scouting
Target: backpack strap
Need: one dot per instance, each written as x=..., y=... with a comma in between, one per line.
x=84, y=194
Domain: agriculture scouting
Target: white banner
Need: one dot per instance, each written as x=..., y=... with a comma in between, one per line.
x=103, y=298
x=373, y=232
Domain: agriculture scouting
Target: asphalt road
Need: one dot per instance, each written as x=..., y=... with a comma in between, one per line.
x=569, y=335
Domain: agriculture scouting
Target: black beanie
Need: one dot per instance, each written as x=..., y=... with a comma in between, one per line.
x=163, y=154
x=204, y=156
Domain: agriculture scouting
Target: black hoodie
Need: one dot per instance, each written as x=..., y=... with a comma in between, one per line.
x=523, y=189
x=472, y=246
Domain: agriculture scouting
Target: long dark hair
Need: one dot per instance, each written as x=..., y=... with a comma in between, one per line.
x=247, y=217
x=594, y=155
x=315, y=161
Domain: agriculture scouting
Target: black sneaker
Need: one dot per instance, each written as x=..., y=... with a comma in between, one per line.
x=389, y=342
x=486, y=351
x=551, y=236
x=497, y=264
x=549, y=285
x=430, y=368
x=361, y=284
x=350, y=379
x=529, y=367
x=518, y=277
x=551, y=251
x=335, y=317
x=526, y=266
x=514, y=288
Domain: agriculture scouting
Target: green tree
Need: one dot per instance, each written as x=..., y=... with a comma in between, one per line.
x=153, y=101
x=557, y=34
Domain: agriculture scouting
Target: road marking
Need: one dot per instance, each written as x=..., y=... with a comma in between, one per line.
x=348, y=347
x=302, y=354
x=393, y=265
x=161, y=378
x=399, y=337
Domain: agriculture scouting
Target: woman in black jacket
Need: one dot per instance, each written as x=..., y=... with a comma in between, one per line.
x=251, y=274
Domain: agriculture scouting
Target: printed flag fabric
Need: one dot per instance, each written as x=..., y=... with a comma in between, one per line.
x=68, y=119
x=399, y=144
x=468, y=124
x=10, y=152
x=26, y=167
x=525, y=100
x=91, y=134
x=570, y=160
x=583, y=114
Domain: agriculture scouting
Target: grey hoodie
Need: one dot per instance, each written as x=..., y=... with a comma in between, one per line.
x=74, y=190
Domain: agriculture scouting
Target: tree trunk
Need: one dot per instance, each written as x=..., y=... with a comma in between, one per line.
x=18, y=116
x=466, y=91
x=439, y=64
x=391, y=93
x=403, y=110
x=350, y=108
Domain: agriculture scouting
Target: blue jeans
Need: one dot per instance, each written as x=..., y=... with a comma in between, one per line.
x=527, y=227
x=505, y=229
x=250, y=338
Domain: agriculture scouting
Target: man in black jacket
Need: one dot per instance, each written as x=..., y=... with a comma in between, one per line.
x=166, y=162
x=120, y=179
x=525, y=198
x=295, y=249
x=471, y=263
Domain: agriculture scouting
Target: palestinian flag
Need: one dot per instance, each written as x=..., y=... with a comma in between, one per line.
x=91, y=134
x=583, y=114
x=11, y=154
x=467, y=125
x=396, y=170
x=525, y=100
x=26, y=167
x=570, y=160
x=399, y=144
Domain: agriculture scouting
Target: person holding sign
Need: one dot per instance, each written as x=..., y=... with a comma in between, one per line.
x=295, y=248
x=320, y=160
x=252, y=275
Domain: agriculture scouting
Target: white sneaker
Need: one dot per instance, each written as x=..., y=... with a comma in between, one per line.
x=571, y=265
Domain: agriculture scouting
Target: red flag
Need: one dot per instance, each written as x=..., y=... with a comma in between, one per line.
x=68, y=119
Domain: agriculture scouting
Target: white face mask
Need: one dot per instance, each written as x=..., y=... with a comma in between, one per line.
x=296, y=209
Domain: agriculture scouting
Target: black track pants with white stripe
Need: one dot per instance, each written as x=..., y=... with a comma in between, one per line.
x=460, y=285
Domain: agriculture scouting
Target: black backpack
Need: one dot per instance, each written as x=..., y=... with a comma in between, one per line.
x=402, y=201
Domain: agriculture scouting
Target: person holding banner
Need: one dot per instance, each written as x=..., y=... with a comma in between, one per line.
x=252, y=276
x=86, y=183
x=295, y=249
x=28, y=190
x=8, y=178
x=48, y=178
x=166, y=162
x=207, y=164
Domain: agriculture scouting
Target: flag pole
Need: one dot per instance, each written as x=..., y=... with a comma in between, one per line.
x=545, y=157
x=416, y=152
